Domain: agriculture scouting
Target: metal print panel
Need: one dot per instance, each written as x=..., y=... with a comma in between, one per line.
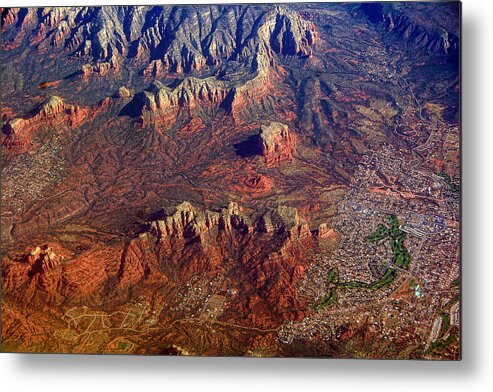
x=232, y=180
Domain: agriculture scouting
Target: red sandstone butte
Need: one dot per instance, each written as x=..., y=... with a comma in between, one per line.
x=277, y=143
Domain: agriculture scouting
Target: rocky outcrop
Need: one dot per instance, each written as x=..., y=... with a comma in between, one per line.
x=276, y=143
x=99, y=68
x=257, y=184
x=267, y=252
x=9, y=17
x=234, y=33
x=291, y=35
x=191, y=223
x=186, y=94
x=263, y=254
x=95, y=33
x=427, y=34
x=164, y=40
x=123, y=92
x=21, y=20
x=38, y=272
x=432, y=40
x=18, y=132
x=15, y=133
x=324, y=231
x=43, y=276
x=52, y=107
x=137, y=263
x=159, y=103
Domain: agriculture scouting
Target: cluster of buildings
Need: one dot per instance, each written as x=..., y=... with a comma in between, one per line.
x=384, y=184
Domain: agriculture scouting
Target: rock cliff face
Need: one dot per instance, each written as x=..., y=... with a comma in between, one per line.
x=38, y=272
x=270, y=249
x=291, y=35
x=228, y=34
x=138, y=263
x=278, y=32
x=431, y=35
x=159, y=103
x=225, y=56
x=164, y=40
x=276, y=143
x=123, y=92
x=17, y=133
x=189, y=222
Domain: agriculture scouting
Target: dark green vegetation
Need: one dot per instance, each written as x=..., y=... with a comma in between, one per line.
x=448, y=180
x=401, y=258
x=445, y=320
x=379, y=234
x=455, y=283
x=437, y=347
x=454, y=300
x=333, y=276
x=331, y=296
x=448, y=333
x=328, y=299
x=386, y=279
x=333, y=280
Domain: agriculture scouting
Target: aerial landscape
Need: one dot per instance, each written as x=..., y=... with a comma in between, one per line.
x=258, y=180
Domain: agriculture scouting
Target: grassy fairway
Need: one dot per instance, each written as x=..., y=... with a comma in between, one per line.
x=400, y=258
